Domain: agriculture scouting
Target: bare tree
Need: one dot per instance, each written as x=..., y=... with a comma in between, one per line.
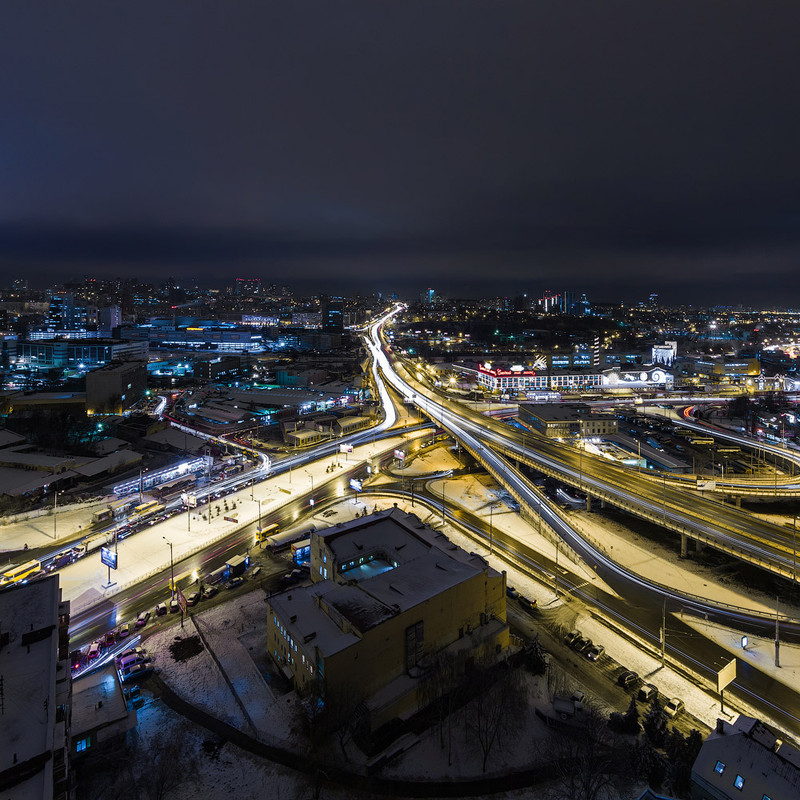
x=493, y=712
x=439, y=691
x=588, y=759
x=165, y=764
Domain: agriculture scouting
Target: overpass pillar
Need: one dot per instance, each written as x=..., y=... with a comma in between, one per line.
x=738, y=502
x=602, y=503
x=588, y=502
x=698, y=546
x=684, y=546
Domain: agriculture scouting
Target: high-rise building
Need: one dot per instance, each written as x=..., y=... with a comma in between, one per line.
x=652, y=301
x=247, y=287
x=332, y=313
x=109, y=318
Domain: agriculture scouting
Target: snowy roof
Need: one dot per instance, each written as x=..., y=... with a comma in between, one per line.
x=749, y=751
x=427, y=564
x=307, y=623
x=113, y=461
x=29, y=615
x=21, y=481
x=97, y=701
x=177, y=439
x=8, y=438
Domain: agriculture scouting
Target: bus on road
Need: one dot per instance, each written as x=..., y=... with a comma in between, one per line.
x=262, y=534
x=21, y=573
x=145, y=510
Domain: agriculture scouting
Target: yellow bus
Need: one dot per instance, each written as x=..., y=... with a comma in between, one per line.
x=21, y=573
x=144, y=509
x=262, y=534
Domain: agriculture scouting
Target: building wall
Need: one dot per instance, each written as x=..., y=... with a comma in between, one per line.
x=124, y=385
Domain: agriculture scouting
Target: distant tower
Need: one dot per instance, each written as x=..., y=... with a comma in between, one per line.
x=653, y=300
x=596, y=351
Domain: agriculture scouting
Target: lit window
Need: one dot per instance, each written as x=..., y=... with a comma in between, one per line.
x=739, y=782
x=720, y=767
x=83, y=744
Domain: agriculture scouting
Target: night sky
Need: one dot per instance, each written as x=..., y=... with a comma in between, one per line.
x=477, y=147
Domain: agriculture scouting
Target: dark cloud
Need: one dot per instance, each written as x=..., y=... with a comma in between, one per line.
x=471, y=144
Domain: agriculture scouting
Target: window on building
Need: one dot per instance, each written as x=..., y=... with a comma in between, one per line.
x=415, y=641
x=739, y=782
x=720, y=767
x=83, y=744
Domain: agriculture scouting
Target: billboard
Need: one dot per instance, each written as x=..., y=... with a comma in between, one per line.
x=181, y=600
x=726, y=675
x=399, y=455
x=345, y=448
x=356, y=484
x=108, y=557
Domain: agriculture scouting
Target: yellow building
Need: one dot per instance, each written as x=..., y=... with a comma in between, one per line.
x=387, y=595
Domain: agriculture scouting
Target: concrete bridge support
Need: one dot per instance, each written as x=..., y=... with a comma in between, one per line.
x=684, y=546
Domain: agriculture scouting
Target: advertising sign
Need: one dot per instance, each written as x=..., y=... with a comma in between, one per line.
x=108, y=557
x=181, y=600
x=399, y=455
x=726, y=675
x=345, y=448
x=355, y=484
x=230, y=519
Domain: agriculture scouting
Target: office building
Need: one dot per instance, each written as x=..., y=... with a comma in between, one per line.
x=35, y=692
x=387, y=595
x=567, y=420
x=116, y=387
x=745, y=761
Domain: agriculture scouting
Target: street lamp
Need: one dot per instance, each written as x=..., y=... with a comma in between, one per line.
x=171, y=567
x=312, y=486
x=55, y=510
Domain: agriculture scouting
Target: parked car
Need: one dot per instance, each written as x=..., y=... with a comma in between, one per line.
x=571, y=637
x=142, y=619
x=161, y=609
x=131, y=651
x=136, y=672
x=174, y=606
x=124, y=631
x=526, y=603
x=94, y=651
x=578, y=696
x=192, y=599
x=595, y=651
x=674, y=707
x=628, y=678
x=582, y=645
x=646, y=693
x=76, y=659
x=255, y=571
x=234, y=582
x=209, y=591
x=511, y=592
x=109, y=638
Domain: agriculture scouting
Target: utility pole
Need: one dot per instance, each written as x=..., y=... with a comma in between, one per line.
x=663, y=631
x=443, y=480
x=777, y=636
x=556, y=570
x=491, y=528
x=55, y=514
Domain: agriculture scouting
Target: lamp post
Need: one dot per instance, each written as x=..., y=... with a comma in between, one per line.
x=55, y=510
x=443, y=480
x=794, y=549
x=491, y=528
x=311, y=502
x=171, y=567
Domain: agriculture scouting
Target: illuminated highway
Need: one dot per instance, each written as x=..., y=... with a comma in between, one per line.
x=722, y=526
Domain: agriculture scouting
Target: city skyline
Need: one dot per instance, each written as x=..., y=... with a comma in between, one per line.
x=623, y=147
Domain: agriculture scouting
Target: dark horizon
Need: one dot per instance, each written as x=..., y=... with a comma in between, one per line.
x=477, y=148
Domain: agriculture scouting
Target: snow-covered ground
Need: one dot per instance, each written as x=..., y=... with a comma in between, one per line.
x=146, y=553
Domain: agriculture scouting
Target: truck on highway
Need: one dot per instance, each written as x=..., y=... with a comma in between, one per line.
x=92, y=543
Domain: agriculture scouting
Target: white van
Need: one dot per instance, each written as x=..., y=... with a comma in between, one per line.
x=132, y=660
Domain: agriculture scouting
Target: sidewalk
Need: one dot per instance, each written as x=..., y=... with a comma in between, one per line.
x=146, y=552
